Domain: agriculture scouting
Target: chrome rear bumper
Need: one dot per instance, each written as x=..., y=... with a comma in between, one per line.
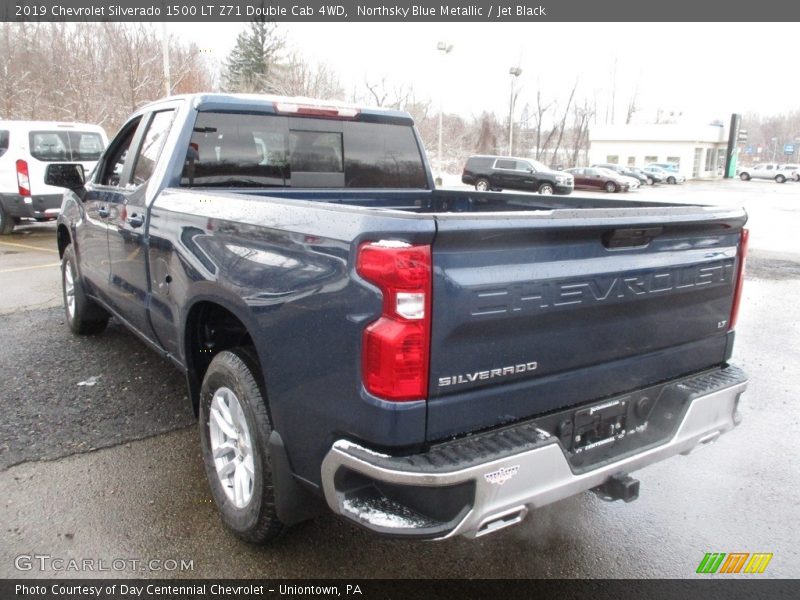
x=500, y=492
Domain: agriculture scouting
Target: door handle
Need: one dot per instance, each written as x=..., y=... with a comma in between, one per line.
x=102, y=212
x=135, y=221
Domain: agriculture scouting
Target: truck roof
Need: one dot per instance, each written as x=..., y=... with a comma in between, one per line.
x=267, y=103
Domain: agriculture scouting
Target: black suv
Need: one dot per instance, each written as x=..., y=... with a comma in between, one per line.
x=506, y=172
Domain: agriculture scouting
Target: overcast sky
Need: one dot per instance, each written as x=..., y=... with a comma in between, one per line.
x=705, y=70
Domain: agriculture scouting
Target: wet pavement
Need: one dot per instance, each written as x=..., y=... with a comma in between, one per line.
x=142, y=495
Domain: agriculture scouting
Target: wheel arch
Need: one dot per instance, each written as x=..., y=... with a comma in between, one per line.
x=213, y=323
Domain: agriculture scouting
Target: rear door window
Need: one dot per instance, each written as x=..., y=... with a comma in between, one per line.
x=60, y=146
x=3, y=141
x=505, y=164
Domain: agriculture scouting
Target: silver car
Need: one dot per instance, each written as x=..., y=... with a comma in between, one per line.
x=671, y=177
x=779, y=173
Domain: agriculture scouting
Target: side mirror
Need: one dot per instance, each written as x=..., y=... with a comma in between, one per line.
x=70, y=176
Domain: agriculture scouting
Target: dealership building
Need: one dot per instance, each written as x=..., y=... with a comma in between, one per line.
x=699, y=150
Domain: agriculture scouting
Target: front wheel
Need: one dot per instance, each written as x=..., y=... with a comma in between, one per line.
x=482, y=185
x=649, y=181
x=84, y=316
x=780, y=179
x=234, y=431
x=610, y=187
x=671, y=180
x=546, y=189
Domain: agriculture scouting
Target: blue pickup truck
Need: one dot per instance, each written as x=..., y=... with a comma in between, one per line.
x=427, y=363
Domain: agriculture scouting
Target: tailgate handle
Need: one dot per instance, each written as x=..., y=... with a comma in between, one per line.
x=630, y=238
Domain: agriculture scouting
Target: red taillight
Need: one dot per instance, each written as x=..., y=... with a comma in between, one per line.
x=23, y=180
x=737, y=294
x=396, y=346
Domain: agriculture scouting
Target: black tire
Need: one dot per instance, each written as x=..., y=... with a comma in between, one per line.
x=6, y=222
x=610, y=187
x=671, y=180
x=237, y=369
x=780, y=179
x=649, y=181
x=744, y=176
x=546, y=189
x=86, y=316
x=482, y=185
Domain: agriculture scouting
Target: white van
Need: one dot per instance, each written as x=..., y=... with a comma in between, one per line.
x=27, y=149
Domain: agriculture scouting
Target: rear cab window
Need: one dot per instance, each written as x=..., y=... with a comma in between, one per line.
x=262, y=150
x=60, y=146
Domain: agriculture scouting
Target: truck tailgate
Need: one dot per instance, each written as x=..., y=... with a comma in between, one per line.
x=533, y=312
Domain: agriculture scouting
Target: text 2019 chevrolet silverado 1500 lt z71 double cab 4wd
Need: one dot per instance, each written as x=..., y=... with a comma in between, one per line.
x=428, y=362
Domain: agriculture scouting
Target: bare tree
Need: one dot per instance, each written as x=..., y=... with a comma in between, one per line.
x=486, y=142
x=632, y=108
x=541, y=109
x=301, y=77
x=563, y=123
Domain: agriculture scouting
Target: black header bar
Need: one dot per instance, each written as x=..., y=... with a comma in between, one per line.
x=455, y=11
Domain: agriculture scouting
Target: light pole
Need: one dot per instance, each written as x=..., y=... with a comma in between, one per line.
x=446, y=49
x=514, y=72
x=775, y=149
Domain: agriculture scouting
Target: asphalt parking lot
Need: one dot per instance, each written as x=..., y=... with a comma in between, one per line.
x=99, y=456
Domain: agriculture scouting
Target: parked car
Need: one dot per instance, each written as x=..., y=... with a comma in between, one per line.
x=642, y=178
x=792, y=168
x=652, y=178
x=589, y=178
x=667, y=166
x=522, y=174
x=633, y=182
x=424, y=363
x=27, y=150
x=671, y=177
x=779, y=173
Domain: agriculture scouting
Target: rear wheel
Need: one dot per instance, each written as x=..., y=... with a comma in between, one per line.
x=84, y=316
x=546, y=189
x=780, y=179
x=610, y=187
x=234, y=434
x=482, y=185
x=649, y=181
x=6, y=222
x=745, y=176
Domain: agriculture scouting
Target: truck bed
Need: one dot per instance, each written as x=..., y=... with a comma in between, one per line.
x=603, y=295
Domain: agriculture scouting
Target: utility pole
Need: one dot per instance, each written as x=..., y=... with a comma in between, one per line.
x=514, y=72
x=446, y=49
x=165, y=57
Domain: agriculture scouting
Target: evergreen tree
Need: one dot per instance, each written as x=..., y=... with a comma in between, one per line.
x=254, y=62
